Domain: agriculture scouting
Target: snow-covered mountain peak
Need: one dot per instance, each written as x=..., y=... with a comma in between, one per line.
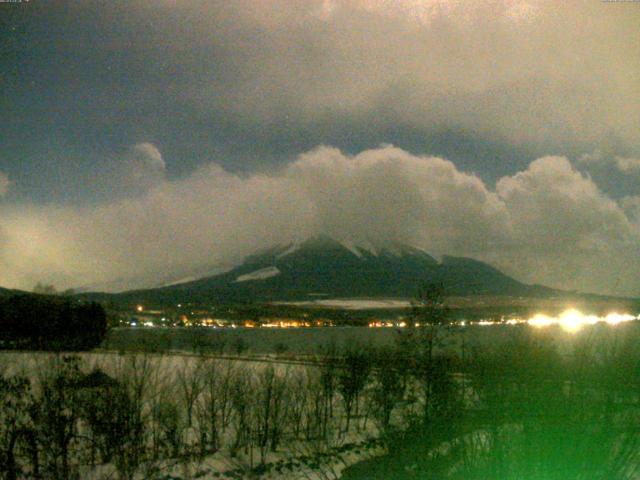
x=361, y=248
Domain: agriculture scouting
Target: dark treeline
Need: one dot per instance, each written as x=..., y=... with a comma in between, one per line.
x=44, y=322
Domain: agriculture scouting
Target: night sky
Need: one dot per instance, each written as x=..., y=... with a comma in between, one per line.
x=147, y=141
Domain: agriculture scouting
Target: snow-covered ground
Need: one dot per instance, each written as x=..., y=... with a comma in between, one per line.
x=298, y=462
x=295, y=457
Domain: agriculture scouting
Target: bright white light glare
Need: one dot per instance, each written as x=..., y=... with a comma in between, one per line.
x=615, y=318
x=572, y=320
x=540, y=320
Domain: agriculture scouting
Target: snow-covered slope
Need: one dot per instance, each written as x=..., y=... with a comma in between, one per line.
x=260, y=274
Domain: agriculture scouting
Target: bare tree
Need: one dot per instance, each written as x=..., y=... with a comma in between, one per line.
x=297, y=400
x=388, y=386
x=352, y=378
x=423, y=344
x=214, y=405
x=170, y=427
x=240, y=394
x=15, y=397
x=269, y=409
x=263, y=395
x=190, y=381
x=55, y=415
x=139, y=379
x=328, y=384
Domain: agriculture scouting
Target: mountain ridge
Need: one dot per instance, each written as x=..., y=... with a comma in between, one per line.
x=324, y=267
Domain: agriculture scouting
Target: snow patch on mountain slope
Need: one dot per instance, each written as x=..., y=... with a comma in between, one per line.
x=261, y=274
x=290, y=249
x=388, y=249
x=351, y=247
x=367, y=246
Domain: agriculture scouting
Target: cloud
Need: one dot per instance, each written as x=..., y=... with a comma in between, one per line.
x=599, y=159
x=552, y=203
x=144, y=158
x=548, y=224
x=631, y=205
x=566, y=229
x=513, y=70
x=491, y=85
x=141, y=168
x=131, y=173
x=5, y=183
x=628, y=165
x=618, y=175
x=388, y=194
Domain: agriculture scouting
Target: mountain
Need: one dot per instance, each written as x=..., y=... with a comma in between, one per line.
x=8, y=292
x=322, y=267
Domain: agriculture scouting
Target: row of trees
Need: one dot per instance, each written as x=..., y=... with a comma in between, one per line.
x=149, y=409
x=44, y=322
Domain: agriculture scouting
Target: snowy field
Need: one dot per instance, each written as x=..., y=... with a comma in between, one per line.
x=197, y=417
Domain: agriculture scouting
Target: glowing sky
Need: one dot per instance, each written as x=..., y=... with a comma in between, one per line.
x=143, y=140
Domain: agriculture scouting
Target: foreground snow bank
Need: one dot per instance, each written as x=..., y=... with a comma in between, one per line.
x=284, y=465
